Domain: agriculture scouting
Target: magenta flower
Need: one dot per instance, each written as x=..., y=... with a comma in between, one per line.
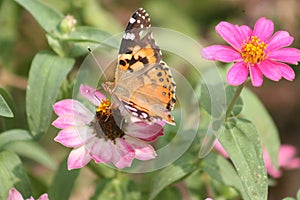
x=98, y=137
x=254, y=51
x=14, y=194
x=286, y=159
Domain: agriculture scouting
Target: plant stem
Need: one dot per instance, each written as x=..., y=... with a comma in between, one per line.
x=234, y=99
x=100, y=171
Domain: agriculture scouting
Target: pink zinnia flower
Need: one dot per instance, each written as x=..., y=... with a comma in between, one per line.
x=14, y=194
x=286, y=159
x=254, y=51
x=98, y=137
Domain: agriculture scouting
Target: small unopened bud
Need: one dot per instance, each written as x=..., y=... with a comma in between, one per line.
x=67, y=25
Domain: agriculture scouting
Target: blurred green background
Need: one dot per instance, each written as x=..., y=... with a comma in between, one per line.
x=21, y=38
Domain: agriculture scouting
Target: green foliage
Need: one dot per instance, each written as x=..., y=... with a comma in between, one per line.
x=47, y=17
x=118, y=189
x=266, y=128
x=45, y=78
x=169, y=193
x=241, y=142
x=22, y=143
x=4, y=108
x=63, y=182
x=247, y=127
x=174, y=172
x=222, y=170
x=12, y=175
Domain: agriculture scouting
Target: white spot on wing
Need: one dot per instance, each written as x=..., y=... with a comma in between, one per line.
x=129, y=36
x=144, y=115
x=132, y=20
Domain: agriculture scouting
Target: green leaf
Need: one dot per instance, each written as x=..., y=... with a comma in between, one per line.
x=9, y=22
x=13, y=135
x=212, y=99
x=47, y=17
x=84, y=37
x=174, y=172
x=117, y=189
x=169, y=193
x=230, y=92
x=4, y=108
x=22, y=143
x=222, y=170
x=265, y=126
x=12, y=175
x=45, y=78
x=241, y=141
x=298, y=195
x=88, y=34
x=63, y=182
x=289, y=198
x=32, y=150
x=56, y=45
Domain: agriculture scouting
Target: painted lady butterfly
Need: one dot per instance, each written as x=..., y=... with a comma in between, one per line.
x=143, y=82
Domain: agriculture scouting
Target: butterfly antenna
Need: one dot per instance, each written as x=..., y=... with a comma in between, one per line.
x=98, y=64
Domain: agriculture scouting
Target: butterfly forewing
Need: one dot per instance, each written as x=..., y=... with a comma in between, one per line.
x=143, y=82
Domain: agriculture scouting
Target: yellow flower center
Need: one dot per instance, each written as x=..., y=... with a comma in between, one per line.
x=104, y=122
x=254, y=50
x=104, y=108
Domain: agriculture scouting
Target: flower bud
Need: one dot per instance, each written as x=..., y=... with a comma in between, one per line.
x=67, y=25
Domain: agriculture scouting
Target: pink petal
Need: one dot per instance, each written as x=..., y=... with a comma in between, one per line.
x=256, y=76
x=245, y=31
x=220, y=149
x=221, y=53
x=144, y=131
x=123, y=154
x=230, y=34
x=143, y=150
x=78, y=158
x=44, y=197
x=14, y=194
x=72, y=107
x=102, y=151
x=293, y=164
x=286, y=71
x=273, y=172
x=74, y=136
x=68, y=121
x=279, y=39
x=91, y=94
x=263, y=29
x=288, y=55
x=287, y=157
x=270, y=69
x=237, y=74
